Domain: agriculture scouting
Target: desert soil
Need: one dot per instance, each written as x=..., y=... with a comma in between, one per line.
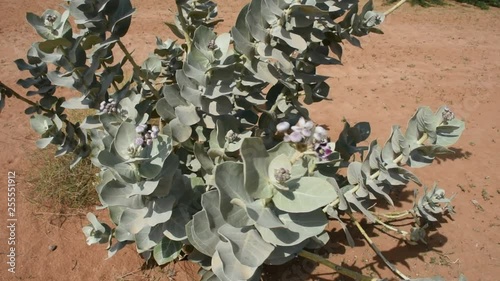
x=436, y=56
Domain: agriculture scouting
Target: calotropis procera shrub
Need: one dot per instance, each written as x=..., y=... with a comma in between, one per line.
x=207, y=151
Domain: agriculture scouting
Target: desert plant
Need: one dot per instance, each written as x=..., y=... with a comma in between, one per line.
x=208, y=151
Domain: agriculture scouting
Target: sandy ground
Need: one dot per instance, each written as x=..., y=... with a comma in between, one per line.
x=443, y=55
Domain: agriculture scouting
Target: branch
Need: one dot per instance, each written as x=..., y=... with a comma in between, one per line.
x=115, y=86
x=184, y=26
x=376, y=249
x=393, y=215
x=341, y=270
x=394, y=8
x=9, y=92
x=392, y=228
x=137, y=68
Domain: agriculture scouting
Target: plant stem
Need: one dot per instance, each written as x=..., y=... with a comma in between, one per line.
x=423, y=138
x=9, y=92
x=393, y=215
x=376, y=249
x=137, y=68
x=115, y=86
x=393, y=8
x=342, y=270
x=392, y=228
x=397, y=159
x=184, y=25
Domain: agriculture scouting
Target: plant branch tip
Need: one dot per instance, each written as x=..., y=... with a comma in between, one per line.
x=394, y=8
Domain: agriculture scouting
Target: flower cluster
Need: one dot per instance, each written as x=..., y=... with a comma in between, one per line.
x=282, y=175
x=211, y=45
x=146, y=134
x=324, y=149
x=108, y=106
x=232, y=137
x=306, y=132
x=302, y=131
x=448, y=115
x=50, y=19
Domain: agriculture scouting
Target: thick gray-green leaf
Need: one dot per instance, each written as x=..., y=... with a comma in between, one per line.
x=91, y=122
x=297, y=228
x=262, y=215
x=165, y=110
x=242, y=44
x=284, y=254
x=40, y=123
x=125, y=137
x=395, y=146
x=424, y=155
x=256, y=162
x=202, y=229
x=187, y=115
x=449, y=133
x=293, y=40
x=227, y=267
x=206, y=162
x=423, y=122
x=248, y=246
x=306, y=194
x=241, y=255
x=160, y=210
x=156, y=155
x=60, y=79
x=44, y=142
x=166, y=251
x=76, y=103
x=230, y=188
x=115, y=193
x=151, y=67
x=177, y=130
x=175, y=227
x=217, y=106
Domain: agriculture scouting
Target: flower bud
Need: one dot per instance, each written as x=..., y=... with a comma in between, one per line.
x=283, y=126
x=140, y=128
x=139, y=141
x=320, y=133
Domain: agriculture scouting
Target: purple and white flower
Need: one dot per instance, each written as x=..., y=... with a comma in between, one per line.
x=145, y=136
x=324, y=149
x=108, y=106
x=304, y=127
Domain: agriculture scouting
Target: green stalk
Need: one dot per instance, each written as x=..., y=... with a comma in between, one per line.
x=341, y=270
